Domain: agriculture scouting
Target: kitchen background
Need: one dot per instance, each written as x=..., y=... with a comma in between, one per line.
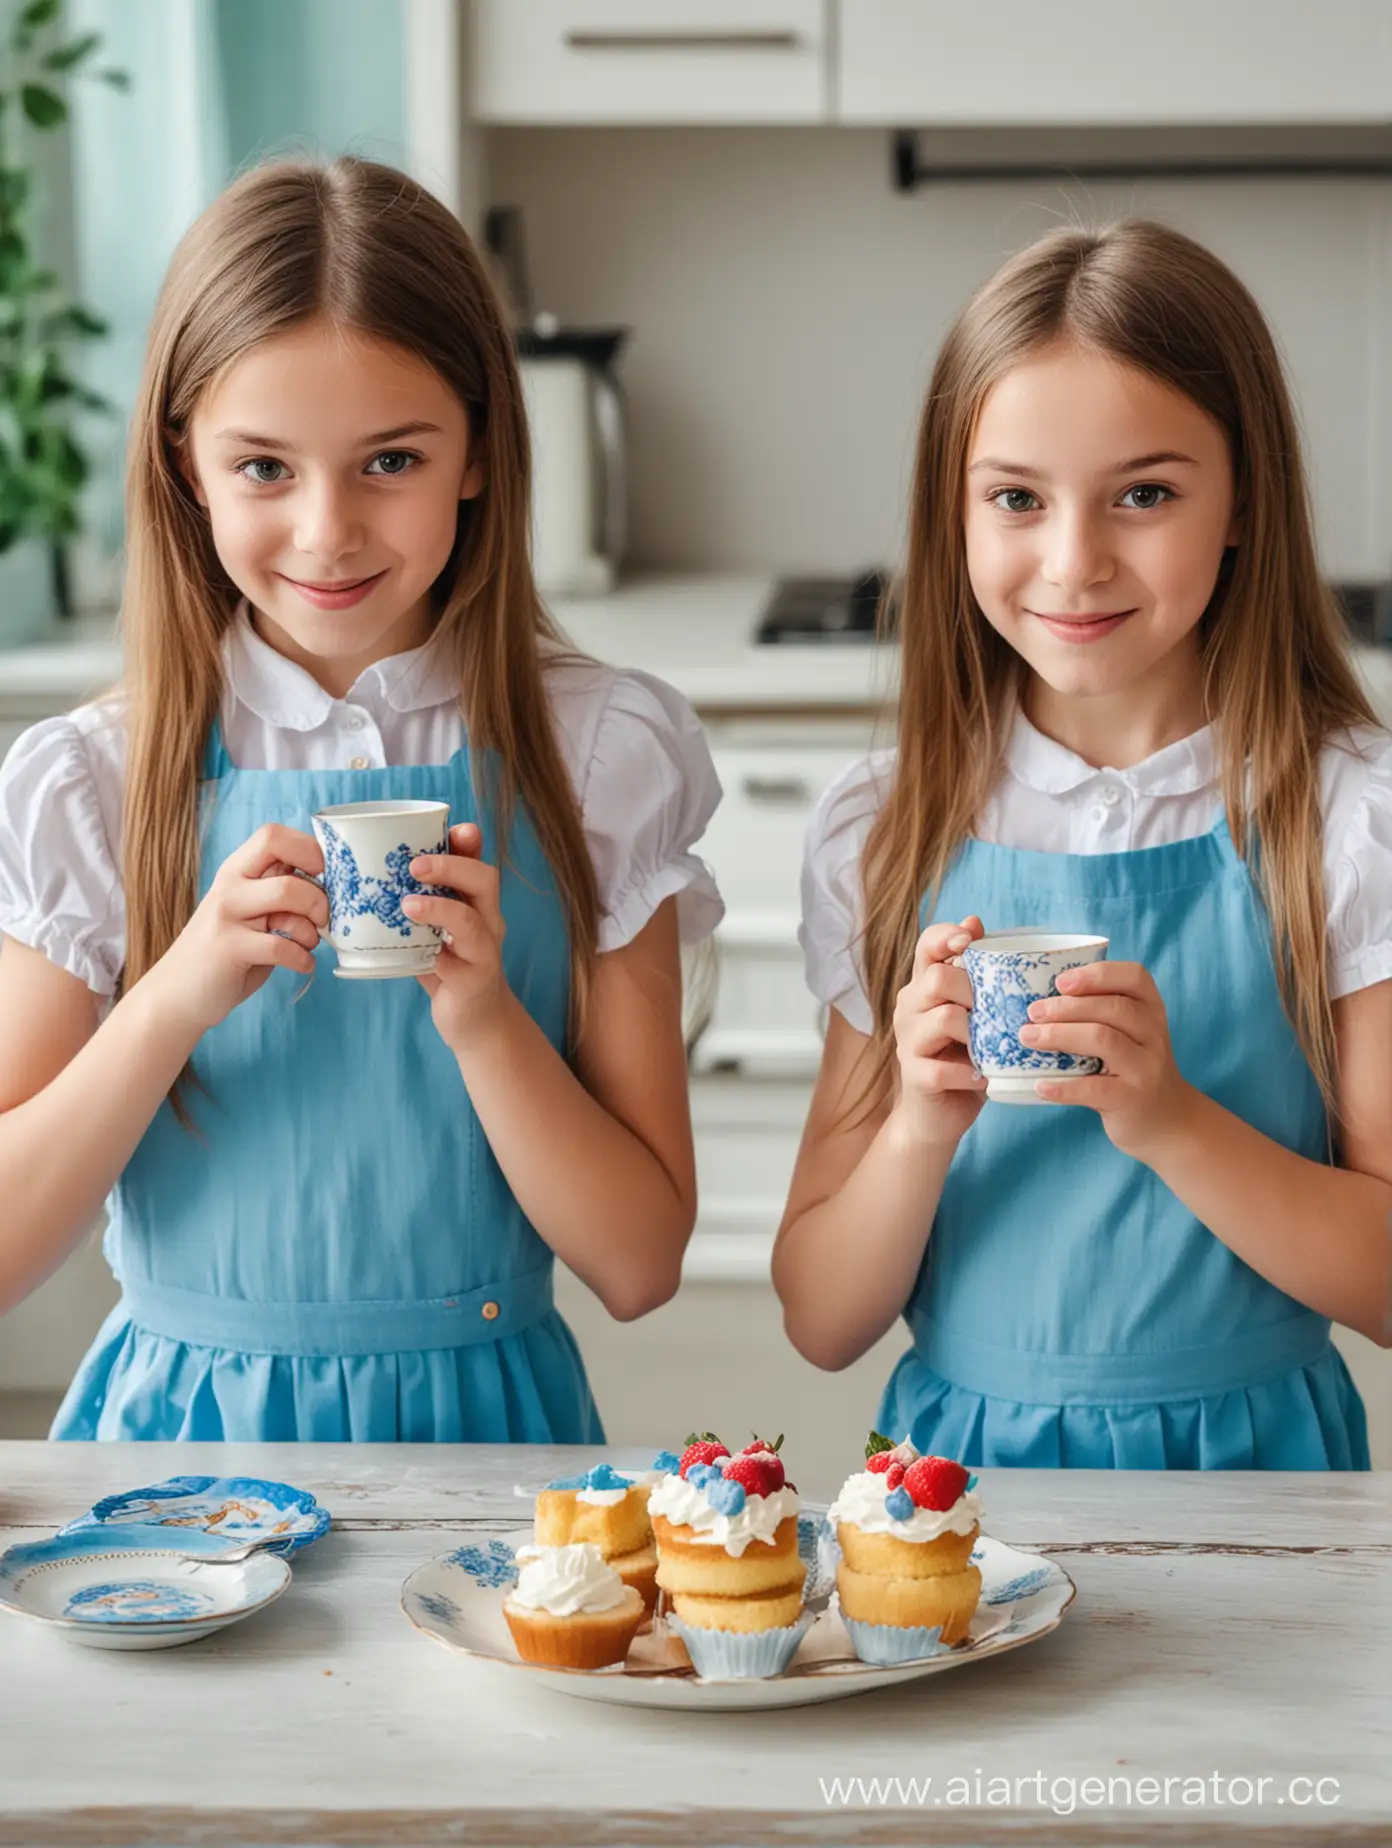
x=719, y=178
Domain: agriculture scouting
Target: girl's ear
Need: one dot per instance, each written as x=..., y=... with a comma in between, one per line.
x=472, y=485
x=182, y=452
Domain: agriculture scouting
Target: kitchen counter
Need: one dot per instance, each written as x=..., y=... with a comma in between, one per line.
x=693, y=630
x=1228, y=1628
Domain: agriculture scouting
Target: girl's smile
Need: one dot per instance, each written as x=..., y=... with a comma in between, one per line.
x=1082, y=628
x=341, y=594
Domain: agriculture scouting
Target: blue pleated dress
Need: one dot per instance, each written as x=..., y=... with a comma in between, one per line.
x=1070, y=1310
x=335, y=1254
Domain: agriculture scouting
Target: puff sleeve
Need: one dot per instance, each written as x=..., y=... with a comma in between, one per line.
x=60, y=882
x=831, y=904
x=649, y=792
x=1358, y=873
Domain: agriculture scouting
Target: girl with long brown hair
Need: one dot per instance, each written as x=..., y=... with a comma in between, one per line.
x=1127, y=710
x=335, y=1206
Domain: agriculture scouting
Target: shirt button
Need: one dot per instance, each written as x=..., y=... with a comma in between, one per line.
x=1099, y=814
x=490, y=1312
x=356, y=721
x=359, y=762
x=1111, y=795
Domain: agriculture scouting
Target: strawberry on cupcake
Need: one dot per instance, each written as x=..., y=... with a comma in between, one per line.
x=727, y=1557
x=906, y=1525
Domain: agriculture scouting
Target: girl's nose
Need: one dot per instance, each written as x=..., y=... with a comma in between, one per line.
x=327, y=524
x=1077, y=555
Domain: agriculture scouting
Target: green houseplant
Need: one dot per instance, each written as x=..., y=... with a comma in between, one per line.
x=42, y=464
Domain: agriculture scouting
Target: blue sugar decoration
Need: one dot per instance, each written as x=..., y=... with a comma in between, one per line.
x=725, y=1495
x=602, y=1476
x=899, y=1505
x=666, y=1459
x=569, y=1482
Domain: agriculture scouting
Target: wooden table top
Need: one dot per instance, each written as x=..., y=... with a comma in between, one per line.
x=1228, y=1629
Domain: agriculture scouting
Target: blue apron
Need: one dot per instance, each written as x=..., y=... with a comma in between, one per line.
x=1070, y=1310
x=335, y=1254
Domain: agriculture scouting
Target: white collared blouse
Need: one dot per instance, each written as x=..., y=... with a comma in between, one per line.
x=1053, y=801
x=634, y=747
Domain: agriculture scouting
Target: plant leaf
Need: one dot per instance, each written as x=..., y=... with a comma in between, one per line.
x=14, y=189
x=68, y=57
x=118, y=80
x=14, y=257
x=39, y=13
x=44, y=107
x=72, y=322
x=69, y=463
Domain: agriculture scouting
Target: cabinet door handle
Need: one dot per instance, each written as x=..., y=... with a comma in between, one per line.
x=781, y=789
x=683, y=41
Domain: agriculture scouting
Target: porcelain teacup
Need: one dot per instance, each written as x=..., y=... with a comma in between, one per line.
x=1009, y=970
x=368, y=849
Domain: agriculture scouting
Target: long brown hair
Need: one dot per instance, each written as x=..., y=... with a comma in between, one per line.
x=367, y=249
x=1277, y=678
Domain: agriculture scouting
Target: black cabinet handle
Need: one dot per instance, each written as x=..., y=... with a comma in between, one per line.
x=682, y=41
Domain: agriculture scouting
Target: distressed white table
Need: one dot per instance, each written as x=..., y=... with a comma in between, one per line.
x=1228, y=1629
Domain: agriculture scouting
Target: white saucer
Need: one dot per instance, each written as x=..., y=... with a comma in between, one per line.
x=132, y=1587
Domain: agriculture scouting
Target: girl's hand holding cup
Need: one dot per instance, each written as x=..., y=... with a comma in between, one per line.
x=259, y=914
x=468, y=986
x=940, y=1092
x=1113, y=1011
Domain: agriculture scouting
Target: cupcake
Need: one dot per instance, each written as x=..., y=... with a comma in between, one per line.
x=610, y=1511
x=906, y=1525
x=569, y=1609
x=727, y=1558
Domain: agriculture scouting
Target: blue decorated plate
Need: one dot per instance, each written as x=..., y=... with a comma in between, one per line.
x=133, y=1587
x=232, y=1507
x=457, y=1600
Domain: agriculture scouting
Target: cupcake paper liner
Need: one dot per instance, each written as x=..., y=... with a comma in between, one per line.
x=886, y=1645
x=741, y=1655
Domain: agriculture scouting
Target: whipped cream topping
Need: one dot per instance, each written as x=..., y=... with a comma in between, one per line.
x=685, y=1505
x=862, y=1504
x=566, y=1581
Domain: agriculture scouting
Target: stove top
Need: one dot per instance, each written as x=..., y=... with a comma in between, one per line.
x=809, y=610
x=823, y=609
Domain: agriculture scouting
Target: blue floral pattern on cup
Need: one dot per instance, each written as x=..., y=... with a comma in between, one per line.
x=1004, y=983
x=353, y=893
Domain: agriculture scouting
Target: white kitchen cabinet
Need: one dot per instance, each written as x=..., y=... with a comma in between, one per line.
x=648, y=61
x=765, y=1023
x=906, y=63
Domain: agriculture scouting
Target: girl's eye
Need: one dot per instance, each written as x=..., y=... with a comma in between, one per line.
x=392, y=462
x=262, y=470
x=1014, y=500
x=1145, y=495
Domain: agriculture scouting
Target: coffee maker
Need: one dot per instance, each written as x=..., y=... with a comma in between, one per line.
x=579, y=478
